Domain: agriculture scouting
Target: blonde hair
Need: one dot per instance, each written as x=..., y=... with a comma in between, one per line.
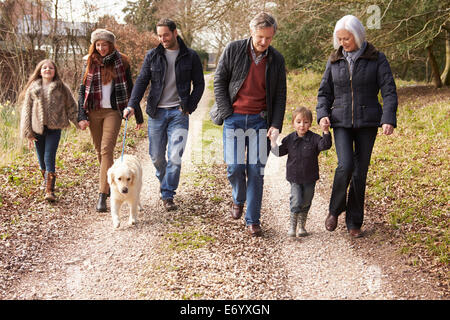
x=305, y=112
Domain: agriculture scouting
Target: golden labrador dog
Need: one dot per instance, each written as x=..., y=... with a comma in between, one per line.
x=125, y=181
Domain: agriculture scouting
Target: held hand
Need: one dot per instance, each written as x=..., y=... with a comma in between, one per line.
x=269, y=132
x=274, y=133
x=83, y=124
x=388, y=129
x=138, y=126
x=325, y=122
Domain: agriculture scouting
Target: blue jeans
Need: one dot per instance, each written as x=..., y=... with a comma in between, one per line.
x=246, y=150
x=353, y=149
x=46, y=147
x=301, y=197
x=168, y=130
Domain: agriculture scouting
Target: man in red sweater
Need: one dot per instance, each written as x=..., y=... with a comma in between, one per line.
x=250, y=92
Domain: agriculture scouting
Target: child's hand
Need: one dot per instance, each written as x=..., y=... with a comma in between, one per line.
x=325, y=125
x=274, y=135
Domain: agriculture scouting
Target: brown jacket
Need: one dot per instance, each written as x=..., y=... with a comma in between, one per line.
x=54, y=109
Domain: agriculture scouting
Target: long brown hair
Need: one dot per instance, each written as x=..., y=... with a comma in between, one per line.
x=37, y=75
x=107, y=72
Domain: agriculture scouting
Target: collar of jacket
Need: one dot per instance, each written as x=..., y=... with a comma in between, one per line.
x=183, y=48
x=306, y=137
x=371, y=53
x=36, y=86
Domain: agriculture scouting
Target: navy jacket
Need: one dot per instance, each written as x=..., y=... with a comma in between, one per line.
x=188, y=68
x=302, y=164
x=231, y=72
x=351, y=101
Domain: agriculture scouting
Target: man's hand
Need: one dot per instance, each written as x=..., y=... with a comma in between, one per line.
x=127, y=112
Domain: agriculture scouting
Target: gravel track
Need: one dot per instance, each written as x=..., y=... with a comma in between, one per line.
x=92, y=261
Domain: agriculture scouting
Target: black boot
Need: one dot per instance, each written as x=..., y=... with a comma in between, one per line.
x=101, y=204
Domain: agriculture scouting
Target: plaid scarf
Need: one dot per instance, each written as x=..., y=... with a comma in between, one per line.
x=94, y=83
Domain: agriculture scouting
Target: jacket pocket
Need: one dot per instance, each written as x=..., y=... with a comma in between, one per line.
x=156, y=73
x=308, y=151
x=371, y=114
x=337, y=114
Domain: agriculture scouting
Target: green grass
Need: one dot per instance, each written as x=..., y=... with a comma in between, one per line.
x=190, y=239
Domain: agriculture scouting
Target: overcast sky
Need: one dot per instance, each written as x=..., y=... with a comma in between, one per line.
x=112, y=7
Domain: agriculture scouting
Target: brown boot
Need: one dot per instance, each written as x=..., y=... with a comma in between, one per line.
x=50, y=178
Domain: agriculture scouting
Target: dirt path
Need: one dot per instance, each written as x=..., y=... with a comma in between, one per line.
x=95, y=262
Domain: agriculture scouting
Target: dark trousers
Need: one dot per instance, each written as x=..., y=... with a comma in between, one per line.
x=354, y=149
x=301, y=197
x=46, y=147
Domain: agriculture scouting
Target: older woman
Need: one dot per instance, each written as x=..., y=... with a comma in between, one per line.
x=348, y=100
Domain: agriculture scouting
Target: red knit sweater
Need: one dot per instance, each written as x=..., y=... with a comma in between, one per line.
x=251, y=98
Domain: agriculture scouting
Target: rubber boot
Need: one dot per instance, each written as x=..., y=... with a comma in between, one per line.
x=302, y=221
x=50, y=178
x=293, y=224
x=101, y=204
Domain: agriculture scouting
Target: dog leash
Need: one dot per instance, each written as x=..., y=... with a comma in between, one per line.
x=124, y=138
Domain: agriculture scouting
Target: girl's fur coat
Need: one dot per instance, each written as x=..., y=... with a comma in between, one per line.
x=55, y=108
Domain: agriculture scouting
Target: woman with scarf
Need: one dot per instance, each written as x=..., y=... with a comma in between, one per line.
x=348, y=100
x=102, y=102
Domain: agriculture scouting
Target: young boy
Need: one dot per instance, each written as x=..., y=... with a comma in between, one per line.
x=302, y=169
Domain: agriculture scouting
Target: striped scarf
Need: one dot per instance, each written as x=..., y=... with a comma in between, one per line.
x=93, y=83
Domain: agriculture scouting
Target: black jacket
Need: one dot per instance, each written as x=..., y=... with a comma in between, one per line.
x=188, y=68
x=302, y=164
x=352, y=101
x=82, y=114
x=232, y=71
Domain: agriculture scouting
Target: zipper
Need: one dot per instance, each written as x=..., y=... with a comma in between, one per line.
x=351, y=87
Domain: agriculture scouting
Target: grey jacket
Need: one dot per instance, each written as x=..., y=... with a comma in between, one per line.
x=231, y=73
x=351, y=100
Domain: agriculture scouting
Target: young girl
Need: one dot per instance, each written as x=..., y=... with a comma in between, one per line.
x=47, y=107
x=302, y=169
x=103, y=97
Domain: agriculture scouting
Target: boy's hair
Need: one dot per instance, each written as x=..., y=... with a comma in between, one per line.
x=305, y=112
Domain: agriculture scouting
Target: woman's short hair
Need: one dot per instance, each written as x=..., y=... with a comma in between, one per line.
x=352, y=25
x=263, y=20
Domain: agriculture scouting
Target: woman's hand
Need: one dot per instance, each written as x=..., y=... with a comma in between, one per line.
x=324, y=122
x=388, y=129
x=83, y=124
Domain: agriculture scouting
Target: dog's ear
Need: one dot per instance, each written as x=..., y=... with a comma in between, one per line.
x=133, y=176
x=110, y=175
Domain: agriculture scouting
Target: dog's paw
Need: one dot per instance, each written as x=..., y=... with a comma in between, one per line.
x=116, y=225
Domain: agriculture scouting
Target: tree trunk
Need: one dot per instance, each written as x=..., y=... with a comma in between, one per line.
x=445, y=77
x=405, y=69
x=434, y=68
